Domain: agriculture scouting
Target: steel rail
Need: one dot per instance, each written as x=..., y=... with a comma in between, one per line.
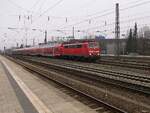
x=45, y=73
x=139, y=85
x=98, y=70
x=125, y=64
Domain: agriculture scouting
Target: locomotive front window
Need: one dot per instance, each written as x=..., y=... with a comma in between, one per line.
x=93, y=45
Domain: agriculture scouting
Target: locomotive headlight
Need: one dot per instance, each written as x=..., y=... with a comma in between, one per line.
x=90, y=53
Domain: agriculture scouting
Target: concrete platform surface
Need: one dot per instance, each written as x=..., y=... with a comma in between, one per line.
x=39, y=95
x=9, y=102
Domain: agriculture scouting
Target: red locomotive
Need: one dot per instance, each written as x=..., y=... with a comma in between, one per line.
x=87, y=49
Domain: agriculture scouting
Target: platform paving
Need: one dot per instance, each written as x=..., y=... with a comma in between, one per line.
x=9, y=102
x=51, y=97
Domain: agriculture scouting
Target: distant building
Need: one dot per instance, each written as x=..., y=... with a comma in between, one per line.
x=143, y=46
x=108, y=46
x=99, y=37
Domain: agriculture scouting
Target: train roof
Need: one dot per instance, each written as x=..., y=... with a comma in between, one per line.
x=40, y=46
x=79, y=41
x=55, y=44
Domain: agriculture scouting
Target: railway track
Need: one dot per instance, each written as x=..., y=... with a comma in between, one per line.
x=109, y=72
x=89, y=100
x=138, y=59
x=97, y=65
x=92, y=103
x=92, y=76
x=125, y=80
x=125, y=64
x=130, y=62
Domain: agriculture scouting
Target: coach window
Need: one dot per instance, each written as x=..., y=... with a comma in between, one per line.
x=79, y=46
x=74, y=46
x=66, y=47
x=71, y=46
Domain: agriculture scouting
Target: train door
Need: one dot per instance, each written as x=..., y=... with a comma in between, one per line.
x=85, y=49
x=53, y=51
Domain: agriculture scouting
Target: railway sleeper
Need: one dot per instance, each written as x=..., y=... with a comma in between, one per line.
x=111, y=80
x=114, y=100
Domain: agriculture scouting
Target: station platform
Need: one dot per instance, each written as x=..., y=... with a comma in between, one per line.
x=8, y=100
x=23, y=92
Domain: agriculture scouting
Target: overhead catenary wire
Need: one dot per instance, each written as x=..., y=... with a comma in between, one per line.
x=88, y=19
x=123, y=9
x=123, y=29
x=109, y=24
x=57, y=3
x=108, y=13
x=50, y=8
x=99, y=12
x=124, y=21
x=40, y=7
x=65, y=17
x=18, y=6
x=136, y=5
x=128, y=16
x=35, y=4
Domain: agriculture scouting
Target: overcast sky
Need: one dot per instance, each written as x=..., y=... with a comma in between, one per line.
x=87, y=16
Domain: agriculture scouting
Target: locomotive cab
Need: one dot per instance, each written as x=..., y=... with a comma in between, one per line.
x=94, y=49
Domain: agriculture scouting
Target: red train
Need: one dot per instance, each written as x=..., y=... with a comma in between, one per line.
x=87, y=49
